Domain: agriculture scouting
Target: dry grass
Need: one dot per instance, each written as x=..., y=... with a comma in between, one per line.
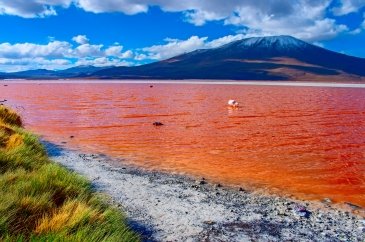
x=8, y=116
x=42, y=201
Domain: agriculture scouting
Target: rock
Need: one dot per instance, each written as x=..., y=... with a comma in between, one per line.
x=218, y=185
x=301, y=211
x=353, y=206
x=201, y=182
x=151, y=86
x=241, y=189
x=327, y=200
x=71, y=137
x=209, y=222
x=158, y=124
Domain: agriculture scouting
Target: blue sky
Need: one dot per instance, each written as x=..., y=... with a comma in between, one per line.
x=58, y=34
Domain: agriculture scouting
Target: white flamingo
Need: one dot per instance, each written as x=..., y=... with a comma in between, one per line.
x=233, y=103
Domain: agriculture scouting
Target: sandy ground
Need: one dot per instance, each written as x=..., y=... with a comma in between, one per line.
x=166, y=207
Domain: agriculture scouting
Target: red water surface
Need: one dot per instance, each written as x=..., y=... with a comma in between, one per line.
x=305, y=141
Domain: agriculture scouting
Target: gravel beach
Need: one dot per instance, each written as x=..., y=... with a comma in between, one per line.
x=165, y=207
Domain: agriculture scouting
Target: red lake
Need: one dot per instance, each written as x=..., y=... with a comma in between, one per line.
x=303, y=141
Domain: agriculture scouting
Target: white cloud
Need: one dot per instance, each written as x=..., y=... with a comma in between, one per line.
x=348, y=6
x=306, y=19
x=32, y=8
x=116, y=50
x=356, y=31
x=54, y=49
x=224, y=40
x=13, y=65
x=60, y=55
x=140, y=57
x=174, y=47
x=124, y=6
x=302, y=19
x=199, y=18
x=103, y=61
x=88, y=50
x=81, y=39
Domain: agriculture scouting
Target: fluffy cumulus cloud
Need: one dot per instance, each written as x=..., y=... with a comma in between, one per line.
x=61, y=54
x=32, y=8
x=13, y=65
x=174, y=47
x=54, y=49
x=306, y=19
x=124, y=6
x=348, y=6
x=81, y=39
x=311, y=20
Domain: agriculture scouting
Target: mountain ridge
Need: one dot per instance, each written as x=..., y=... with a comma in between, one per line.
x=256, y=58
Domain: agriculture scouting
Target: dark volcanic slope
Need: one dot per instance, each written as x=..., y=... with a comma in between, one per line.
x=252, y=58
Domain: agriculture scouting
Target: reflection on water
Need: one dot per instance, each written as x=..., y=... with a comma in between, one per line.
x=307, y=141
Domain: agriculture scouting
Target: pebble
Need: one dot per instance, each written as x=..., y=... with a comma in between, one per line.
x=302, y=212
x=209, y=222
x=327, y=200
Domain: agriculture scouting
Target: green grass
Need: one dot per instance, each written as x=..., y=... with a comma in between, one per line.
x=42, y=201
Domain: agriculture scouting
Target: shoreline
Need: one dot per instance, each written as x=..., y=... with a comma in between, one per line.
x=195, y=82
x=167, y=207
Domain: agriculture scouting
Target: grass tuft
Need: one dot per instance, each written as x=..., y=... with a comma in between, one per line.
x=10, y=117
x=42, y=201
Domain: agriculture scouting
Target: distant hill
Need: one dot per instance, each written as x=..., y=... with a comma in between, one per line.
x=74, y=72
x=259, y=58
x=82, y=70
